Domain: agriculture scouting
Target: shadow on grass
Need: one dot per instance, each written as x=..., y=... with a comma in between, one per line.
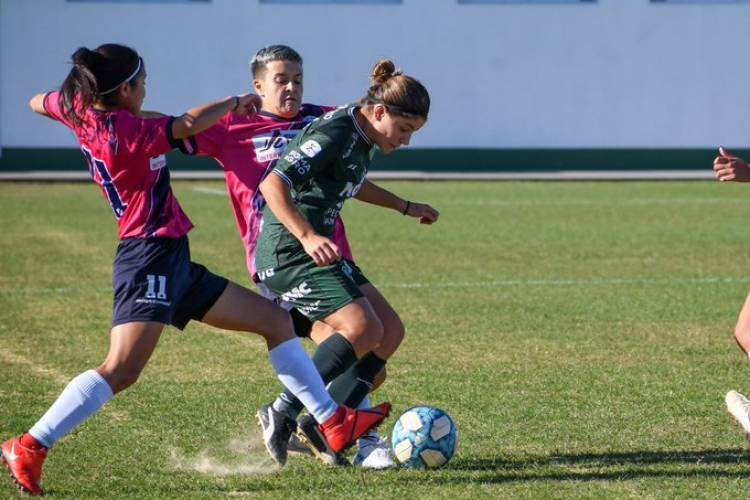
x=731, y=463
x=737, y=456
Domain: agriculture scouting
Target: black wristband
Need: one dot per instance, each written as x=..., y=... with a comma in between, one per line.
x=236, y=103
x=406, y=210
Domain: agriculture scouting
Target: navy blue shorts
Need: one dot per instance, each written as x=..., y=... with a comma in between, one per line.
x=154, y=280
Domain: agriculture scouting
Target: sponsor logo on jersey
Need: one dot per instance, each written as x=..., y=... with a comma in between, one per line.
x=351, y=189
x=302, y=167
x=293, y=157
x=157, y=162
x=311, y=148
x=298, y=162
x=270, y=145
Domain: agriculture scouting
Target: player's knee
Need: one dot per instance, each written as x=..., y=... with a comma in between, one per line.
x=280, y=330
x=366, y=334
x=120, y=377
x=375, y=333
x=742, y=336
x=394, y=332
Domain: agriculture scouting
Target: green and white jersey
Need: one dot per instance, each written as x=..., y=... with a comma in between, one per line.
x=324, y=166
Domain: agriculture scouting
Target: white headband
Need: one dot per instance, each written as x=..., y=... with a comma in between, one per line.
x=137, y=69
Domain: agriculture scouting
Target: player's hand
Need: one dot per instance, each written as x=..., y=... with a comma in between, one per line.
x=323, y=251
x=728, y=167
x=425, y=213
x=247, y=104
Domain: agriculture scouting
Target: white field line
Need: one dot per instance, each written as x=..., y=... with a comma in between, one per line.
x=633, y=201
x=208, y=190
x=553, y=203
x=570, y=282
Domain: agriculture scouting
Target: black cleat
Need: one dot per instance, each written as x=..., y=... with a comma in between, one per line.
x=297, y=447
x=277, y=428
x=309, y=433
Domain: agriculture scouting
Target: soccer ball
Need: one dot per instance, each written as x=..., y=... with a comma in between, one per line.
x=424, y=438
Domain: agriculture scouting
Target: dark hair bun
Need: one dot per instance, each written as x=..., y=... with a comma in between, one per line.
x=383, y=71
x=86, y=57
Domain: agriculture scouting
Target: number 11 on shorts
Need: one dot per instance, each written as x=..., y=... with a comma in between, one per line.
x=151, y=292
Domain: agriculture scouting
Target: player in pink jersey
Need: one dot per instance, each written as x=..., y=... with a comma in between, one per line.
x=155, y=282
x=247, y=149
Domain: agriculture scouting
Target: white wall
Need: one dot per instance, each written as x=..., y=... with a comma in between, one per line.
x=617, y=73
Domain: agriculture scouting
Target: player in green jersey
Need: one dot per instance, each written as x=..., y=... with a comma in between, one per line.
x=296, y=259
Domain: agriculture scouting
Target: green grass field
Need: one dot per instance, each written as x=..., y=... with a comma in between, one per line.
x=580, y=334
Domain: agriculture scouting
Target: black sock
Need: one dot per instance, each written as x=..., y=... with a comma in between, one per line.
x=332, y=358
x=351, y=387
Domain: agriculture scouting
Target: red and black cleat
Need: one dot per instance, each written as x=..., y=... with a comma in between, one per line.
x=24, y=465
x=339, y=432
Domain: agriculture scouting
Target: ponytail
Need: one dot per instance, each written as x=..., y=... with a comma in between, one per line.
x=95, y=76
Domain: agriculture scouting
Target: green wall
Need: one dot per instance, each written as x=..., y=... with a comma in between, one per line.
x=433, y=160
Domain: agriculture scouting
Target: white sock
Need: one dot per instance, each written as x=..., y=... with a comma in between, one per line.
x=83, y=397
x=297, y=372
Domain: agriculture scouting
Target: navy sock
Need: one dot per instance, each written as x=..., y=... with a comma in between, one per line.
x=351, y=387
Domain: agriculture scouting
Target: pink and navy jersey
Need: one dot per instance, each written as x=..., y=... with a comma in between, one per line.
x=247, y=148
x=125, y=155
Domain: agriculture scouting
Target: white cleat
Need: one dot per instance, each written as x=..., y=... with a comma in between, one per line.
x=739, y=406
x=373, y=453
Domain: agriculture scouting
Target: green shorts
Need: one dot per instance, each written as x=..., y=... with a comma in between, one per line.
x=314, y=291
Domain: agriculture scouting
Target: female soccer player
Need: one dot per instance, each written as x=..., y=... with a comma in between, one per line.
x=154, y=281
x=728, y=167
x=247, y=147
x=296, y=258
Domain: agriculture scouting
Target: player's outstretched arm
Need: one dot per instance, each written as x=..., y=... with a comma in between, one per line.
x=728, y=167
x=279, y=199
x=376, y=195
x=199, y=119
x=37, y=104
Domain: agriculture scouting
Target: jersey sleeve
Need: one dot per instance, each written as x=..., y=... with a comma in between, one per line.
x=208, y=143
x=305, y=157
x=53, y=107
x=146, y=136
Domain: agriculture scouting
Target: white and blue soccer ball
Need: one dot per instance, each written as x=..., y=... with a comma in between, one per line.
x=424, y=438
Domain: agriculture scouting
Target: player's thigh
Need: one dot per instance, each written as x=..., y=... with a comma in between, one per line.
x=240, y=309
